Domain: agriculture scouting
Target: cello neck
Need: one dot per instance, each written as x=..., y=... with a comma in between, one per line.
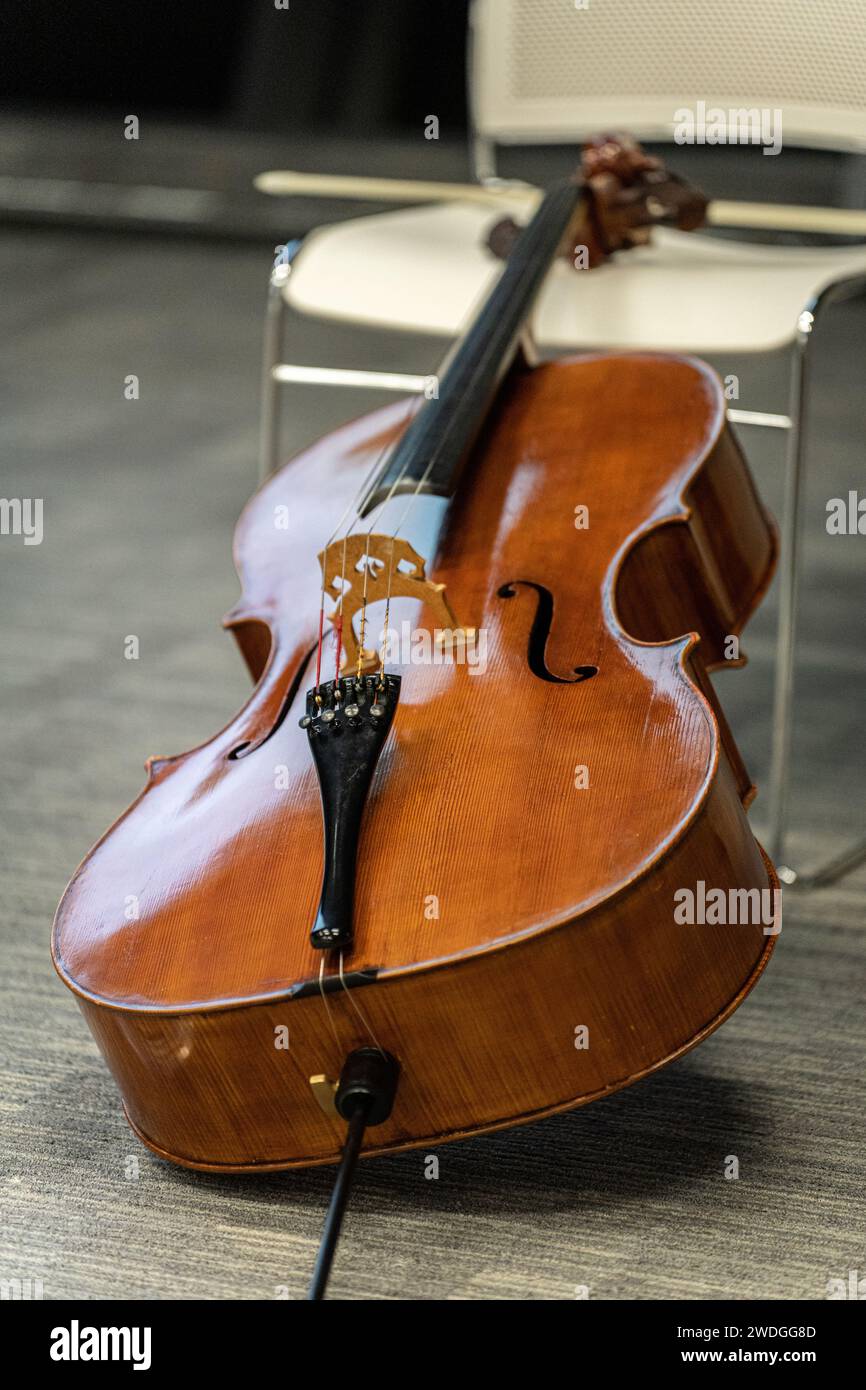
x=432, y=452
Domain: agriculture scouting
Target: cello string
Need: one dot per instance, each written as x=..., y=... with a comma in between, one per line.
x=352, y=506
x=363, y=611
x=380, y=464
x=387, y=622
x=402, y=521
x=327, y=1005
x=379, y=467
x=374, y=516
x=440, y=372
x=357, y=1009
x=338, y=623
x=444, y=364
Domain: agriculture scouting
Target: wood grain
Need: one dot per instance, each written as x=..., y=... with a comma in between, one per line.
x=555, y=904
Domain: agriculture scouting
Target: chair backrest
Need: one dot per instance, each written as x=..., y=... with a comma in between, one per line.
x=551, y=71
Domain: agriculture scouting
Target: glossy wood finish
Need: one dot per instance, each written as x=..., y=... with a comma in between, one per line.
x=555, y=904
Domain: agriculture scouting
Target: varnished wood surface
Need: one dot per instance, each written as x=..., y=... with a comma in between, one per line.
x=546, y=893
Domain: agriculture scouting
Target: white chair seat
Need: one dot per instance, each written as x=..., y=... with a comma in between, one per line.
x=424, y=269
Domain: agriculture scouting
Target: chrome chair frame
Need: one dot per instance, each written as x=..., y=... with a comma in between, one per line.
x=850, y=287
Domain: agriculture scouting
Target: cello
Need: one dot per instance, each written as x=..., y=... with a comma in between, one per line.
x=422, y=889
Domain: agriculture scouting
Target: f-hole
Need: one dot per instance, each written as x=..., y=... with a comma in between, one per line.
x=243, y=750
x=539, y=633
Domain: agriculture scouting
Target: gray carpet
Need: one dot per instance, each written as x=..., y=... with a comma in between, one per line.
x=628, y=1196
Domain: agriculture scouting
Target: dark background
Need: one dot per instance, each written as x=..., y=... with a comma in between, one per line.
x=225, y=90
x=240, y=63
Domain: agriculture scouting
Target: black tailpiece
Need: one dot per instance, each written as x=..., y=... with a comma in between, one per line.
x=347, y=722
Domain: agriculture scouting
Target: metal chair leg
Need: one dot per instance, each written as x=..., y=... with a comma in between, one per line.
x=269, y=432
x=792, y=526
x=481, y=148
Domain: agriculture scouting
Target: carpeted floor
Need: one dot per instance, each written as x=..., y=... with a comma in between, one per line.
x=627, y=1196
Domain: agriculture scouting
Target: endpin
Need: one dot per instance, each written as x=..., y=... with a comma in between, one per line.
x=364, y=1096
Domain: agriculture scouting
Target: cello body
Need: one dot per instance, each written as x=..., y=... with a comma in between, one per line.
x=526, y=832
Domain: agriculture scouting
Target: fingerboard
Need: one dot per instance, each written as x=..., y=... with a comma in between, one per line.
x=431, y=455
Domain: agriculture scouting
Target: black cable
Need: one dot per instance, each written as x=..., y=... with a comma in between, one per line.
x=364, y=1096
x=339, y=1198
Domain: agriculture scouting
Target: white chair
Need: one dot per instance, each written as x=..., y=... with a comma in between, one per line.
x=546, y=71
